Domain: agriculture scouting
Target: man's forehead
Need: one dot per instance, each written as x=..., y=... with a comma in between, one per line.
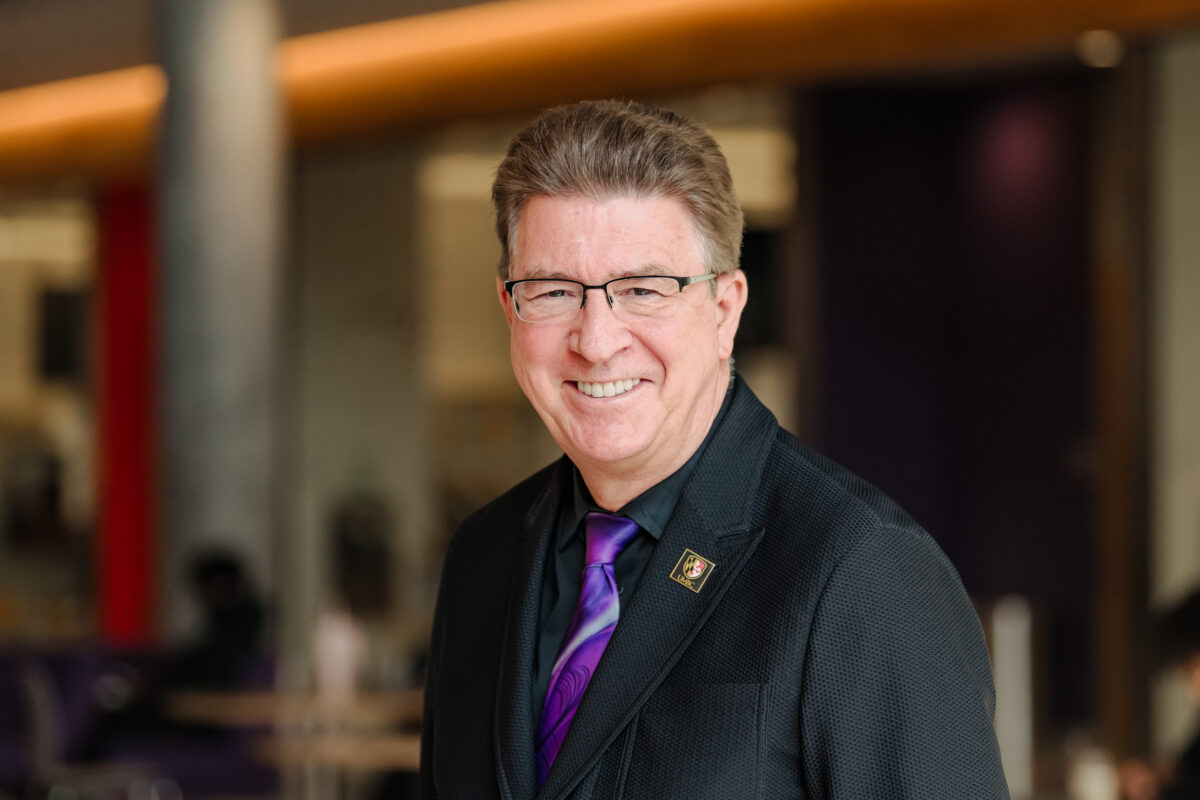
x=640, y=232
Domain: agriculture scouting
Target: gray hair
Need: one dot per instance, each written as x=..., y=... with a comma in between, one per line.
x=609, y=148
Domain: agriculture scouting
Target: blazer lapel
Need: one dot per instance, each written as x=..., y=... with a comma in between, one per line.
x=713, y=519
x=515, y=723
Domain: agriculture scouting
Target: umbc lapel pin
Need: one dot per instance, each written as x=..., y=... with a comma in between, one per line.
x=692, y=570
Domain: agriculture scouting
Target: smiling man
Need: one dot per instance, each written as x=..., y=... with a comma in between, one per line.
x=690, y=603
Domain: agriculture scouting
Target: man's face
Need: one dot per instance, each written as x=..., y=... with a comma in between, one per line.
x=678, y=365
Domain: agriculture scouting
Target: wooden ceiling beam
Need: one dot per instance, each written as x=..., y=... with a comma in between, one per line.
x=513, y=55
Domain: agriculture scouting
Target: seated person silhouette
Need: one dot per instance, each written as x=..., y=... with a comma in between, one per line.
x=222, y=656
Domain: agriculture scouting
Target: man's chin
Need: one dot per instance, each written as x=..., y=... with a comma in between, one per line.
x=605, y=452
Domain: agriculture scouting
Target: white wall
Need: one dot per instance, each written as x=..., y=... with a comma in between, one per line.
x=45, y=243
x=1175, y=347
x=358, y=420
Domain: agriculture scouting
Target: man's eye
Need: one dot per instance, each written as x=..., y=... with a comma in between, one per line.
x=550, y=293
x=641, y=292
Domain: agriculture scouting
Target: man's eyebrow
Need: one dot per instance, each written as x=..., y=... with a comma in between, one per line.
x=541, y=274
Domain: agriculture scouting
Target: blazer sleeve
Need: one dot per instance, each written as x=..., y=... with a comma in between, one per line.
x=897, y=699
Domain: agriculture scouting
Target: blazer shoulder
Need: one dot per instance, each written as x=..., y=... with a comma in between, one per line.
x=796, y=469
x=759, y=473
x=827, y=510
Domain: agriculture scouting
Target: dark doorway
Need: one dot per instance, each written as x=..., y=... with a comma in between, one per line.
x=955, y=355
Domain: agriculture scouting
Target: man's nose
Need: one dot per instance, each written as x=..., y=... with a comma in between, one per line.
x=599, y=333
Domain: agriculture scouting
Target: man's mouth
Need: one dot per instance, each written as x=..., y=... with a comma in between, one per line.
x=608, y=389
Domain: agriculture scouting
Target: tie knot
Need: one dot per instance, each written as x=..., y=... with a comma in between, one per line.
x=606, y=536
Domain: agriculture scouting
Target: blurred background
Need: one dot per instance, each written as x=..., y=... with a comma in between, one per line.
x=253, y=371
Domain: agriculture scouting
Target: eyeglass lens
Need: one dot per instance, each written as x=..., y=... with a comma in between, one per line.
x=641, y=296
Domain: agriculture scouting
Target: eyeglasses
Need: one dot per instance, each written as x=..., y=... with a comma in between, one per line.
x=640, y=296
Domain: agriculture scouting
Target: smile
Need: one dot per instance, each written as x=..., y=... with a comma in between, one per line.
x=610, y=389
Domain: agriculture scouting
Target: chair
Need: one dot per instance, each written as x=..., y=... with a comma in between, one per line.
x=52, y=777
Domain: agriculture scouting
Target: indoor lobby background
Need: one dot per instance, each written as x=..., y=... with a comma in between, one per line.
x=248, y=307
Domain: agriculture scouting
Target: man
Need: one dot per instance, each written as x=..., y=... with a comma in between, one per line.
x=690, y=603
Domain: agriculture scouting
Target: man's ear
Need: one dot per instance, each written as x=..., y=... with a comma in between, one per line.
x=506, y=300
x=731, y=299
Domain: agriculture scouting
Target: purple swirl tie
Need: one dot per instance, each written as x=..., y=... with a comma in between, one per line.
x=588, y=634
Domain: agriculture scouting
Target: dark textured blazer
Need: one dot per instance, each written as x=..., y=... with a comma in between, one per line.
x=831, y=653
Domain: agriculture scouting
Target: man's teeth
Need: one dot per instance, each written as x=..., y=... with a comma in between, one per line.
x=606, y=389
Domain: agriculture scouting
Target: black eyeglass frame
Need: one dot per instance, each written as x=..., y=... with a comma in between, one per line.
x=683, y=282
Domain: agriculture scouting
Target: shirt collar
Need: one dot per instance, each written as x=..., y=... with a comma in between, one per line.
x=651, y=509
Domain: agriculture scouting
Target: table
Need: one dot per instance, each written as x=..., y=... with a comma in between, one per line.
x=319, y=742
x=253, y=709
x=346, y=751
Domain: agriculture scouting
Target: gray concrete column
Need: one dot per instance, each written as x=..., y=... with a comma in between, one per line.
x=222, y=190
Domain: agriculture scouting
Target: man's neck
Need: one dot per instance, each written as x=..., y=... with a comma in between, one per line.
x=613, y=486
x=613, y=494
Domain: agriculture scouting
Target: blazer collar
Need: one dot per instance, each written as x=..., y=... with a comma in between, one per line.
x=514, y=721
x=715, y=518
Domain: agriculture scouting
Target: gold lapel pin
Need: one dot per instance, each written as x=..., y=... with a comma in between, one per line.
x=692, y=570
